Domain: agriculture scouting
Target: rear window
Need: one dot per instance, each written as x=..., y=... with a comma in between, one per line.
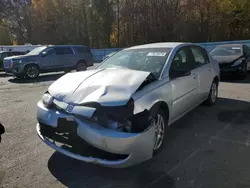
x=82, y=50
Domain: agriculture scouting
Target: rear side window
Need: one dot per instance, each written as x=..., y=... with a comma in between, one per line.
x=200, y=56
x=82, y=50
x=63, y=50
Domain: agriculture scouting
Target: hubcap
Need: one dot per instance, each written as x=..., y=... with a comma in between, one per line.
x=158, y=122
x=32, y=72
x=214, y=92
x=81, y=67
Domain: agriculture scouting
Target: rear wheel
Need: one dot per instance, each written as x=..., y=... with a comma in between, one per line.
x=81, y=66
x=160, y=123
x=213, y=94
x=31, y=71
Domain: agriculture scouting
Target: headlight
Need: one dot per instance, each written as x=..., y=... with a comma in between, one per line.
x=238, y=62
x=47, y=100
x=17, y=62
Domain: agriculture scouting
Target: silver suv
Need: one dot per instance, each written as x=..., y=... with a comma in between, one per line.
x=49, y=59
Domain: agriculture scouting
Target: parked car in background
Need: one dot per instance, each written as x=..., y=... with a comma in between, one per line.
x=49, y=59
x=233, y=59
x=117, y=114
x=5, y=54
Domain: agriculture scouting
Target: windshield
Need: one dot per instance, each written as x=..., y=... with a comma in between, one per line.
x=150, y=60
x=226, y=51
x=37, y=50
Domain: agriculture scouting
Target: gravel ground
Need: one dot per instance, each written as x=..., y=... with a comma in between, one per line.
x=209, y=147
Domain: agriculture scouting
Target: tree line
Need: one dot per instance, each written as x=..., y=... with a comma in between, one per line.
x=122, y=23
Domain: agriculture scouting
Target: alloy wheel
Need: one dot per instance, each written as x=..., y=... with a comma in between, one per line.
x=81, y=67
x=214, y=92
x=32, y=72
x=158, y=122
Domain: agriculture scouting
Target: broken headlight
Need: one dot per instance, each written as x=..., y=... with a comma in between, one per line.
x=47, y=100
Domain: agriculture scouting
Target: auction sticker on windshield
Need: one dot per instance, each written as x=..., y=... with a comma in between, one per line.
x=159, y=54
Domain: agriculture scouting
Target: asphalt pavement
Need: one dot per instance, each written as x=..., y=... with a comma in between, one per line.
x=208, y=148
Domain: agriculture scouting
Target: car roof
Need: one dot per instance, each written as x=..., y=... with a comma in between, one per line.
x=159, y=45
x=66, y=46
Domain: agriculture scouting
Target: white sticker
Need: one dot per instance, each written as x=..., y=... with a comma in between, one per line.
x=236, y=48
x=159, y=54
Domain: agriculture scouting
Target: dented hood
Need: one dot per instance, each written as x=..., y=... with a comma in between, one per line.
x=109, y=87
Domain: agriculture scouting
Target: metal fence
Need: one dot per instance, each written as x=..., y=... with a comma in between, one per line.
x=99, y=54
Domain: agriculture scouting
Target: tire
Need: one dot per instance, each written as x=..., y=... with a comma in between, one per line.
x=81, y=66
x=213, y=94
x=160, y=135
x=31, y=71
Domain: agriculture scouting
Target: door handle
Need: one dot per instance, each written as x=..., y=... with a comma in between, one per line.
x=209, y=70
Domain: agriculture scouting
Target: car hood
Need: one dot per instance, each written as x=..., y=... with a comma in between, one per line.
x=19, y=57
x=11, y=57
x=226, y=59
x=108, y=87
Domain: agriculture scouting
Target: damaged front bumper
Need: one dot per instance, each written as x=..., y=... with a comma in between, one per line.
x=92, y=143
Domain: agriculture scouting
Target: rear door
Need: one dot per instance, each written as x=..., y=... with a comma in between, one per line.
x=64, y=56
x=84, y=53
x=204, y=71
x=184, y=89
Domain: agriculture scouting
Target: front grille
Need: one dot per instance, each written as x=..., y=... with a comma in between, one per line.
x=8, y=64
x=71, y=142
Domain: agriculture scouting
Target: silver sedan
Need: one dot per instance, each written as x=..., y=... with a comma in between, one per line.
x=117, y=114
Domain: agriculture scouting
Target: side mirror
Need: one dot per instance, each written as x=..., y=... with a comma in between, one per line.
x=179, y=73
x=44, y=54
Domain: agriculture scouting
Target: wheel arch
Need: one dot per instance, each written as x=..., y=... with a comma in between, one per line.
x=32, y=64
x=217, y=79
x=163, y=106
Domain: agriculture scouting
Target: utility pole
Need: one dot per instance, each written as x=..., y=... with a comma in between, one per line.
x=118, y=23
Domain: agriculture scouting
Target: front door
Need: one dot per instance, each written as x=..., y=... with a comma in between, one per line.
x=49, y=61
x=184, y=88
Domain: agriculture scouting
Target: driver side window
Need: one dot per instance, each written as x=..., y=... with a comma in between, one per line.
x=51, y=51
x=180, y=61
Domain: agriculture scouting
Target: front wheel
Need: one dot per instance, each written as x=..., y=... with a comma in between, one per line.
x=160, y=123
x=31, y=71
x=213, y=94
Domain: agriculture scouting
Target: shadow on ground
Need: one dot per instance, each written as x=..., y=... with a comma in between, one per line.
x=2, y=75
x=182, y=143
x=232, y=79
x=42, y=78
